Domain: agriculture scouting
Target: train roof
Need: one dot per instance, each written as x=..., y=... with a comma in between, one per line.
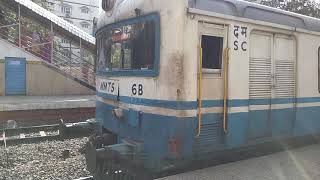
x=243, y=9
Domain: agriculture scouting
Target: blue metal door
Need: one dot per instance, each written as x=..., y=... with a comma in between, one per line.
x=15, y=72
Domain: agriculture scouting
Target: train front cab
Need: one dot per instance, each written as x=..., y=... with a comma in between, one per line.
x=141, y=98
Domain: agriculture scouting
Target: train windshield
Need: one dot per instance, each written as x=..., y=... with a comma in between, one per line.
x=127, y=47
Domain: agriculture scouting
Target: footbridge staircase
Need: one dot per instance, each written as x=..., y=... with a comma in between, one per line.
x=57, y=43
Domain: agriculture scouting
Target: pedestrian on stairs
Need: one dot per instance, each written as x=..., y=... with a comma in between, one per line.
x=47, y=48
x=36, y=39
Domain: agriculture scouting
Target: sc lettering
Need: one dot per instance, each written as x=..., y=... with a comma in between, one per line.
x=240, y=31
x=243, y=46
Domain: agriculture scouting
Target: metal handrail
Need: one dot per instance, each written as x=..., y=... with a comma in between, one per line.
x=75, y=66
x=200, y=94
x=226, y=90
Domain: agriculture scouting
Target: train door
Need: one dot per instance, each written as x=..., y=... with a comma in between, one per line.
x=260, y=68
x=283, y=87
x=271, y=85
x=15, y=76
x=213, y=41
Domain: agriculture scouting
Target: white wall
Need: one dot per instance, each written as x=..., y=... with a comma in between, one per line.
x=9, y=50
x=41, y=80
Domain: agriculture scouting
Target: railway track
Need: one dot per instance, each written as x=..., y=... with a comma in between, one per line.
x=70, y=138
x=31, y=134
x=10, y=136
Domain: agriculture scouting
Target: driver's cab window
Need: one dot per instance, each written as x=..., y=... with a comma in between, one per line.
x=212, y=42
x=212, y=50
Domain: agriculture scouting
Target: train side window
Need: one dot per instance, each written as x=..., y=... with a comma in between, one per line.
x=130, y=47
x=212, y=48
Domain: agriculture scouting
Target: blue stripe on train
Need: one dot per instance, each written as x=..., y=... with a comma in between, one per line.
x=156, y=130
x=242, y=130
x=190, y=105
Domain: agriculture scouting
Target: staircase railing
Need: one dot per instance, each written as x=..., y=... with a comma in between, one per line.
x=51, y=47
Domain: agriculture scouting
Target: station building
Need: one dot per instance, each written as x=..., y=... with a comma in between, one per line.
x=33, y=60
x=43, y=80
x=81, y=13
x=22, y=73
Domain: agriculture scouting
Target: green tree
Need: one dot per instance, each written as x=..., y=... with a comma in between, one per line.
x=271, y=3
x=305, y=7
x=44, y=4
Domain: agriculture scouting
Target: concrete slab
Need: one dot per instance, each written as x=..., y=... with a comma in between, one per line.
x=25, y=103
x=296, y=164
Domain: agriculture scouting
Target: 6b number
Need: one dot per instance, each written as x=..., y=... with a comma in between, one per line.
x=137, y=89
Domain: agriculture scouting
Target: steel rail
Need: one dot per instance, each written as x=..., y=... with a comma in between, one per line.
x=17, y=131
x=13, y=135
x=48, y=132
x=18, y=140
x=85, y=178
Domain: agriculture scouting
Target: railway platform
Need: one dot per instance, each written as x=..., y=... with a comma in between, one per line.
x=45, y=109
x=295, y=164
x=18, y=103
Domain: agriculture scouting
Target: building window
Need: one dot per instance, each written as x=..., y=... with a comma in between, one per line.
x=66, y=52
x=212, y=48
x=65, y=41
x=66, y=9
x=85, y=10
x=85, y=25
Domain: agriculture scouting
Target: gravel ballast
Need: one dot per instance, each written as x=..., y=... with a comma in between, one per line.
x=43, y=160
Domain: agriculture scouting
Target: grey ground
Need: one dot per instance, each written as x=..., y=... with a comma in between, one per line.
x=43, y=161
x=296, y=164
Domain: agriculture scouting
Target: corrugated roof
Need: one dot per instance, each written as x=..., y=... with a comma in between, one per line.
x=239, y=8
x=56, y=20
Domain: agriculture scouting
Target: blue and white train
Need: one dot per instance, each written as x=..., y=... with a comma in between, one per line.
x=178, y=80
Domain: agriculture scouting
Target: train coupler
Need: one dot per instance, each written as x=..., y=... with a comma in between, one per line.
x=116, y=161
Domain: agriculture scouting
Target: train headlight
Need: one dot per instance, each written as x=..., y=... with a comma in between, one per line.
x=108, y=5
x=118, y=113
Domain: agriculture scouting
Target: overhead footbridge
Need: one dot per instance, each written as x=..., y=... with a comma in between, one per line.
x=54, y=42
